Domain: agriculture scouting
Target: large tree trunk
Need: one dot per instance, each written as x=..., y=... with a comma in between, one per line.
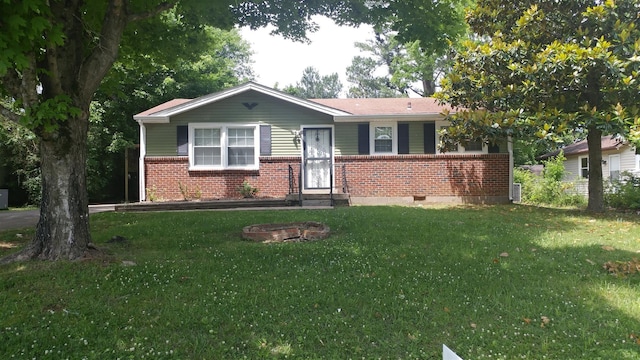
x=63, y=229
x=62, y=232
x=61, y=78
x=596, y=191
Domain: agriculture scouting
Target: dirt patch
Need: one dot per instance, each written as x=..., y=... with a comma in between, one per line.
x=288, y=232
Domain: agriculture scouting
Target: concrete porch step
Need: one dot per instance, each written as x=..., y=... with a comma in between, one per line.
x=339, y=199
x=316, y=202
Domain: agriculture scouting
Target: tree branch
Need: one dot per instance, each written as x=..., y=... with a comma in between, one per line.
x=95, y=67
x=29, y=84
x=11, y=82
x=153, y=12
x=8, y=114
x=98, y=63
x=22, y=85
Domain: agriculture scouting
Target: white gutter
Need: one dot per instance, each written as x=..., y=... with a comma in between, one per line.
x=143, y=152
x=510, y=151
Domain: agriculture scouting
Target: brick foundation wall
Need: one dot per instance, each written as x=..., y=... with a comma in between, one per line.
x=165, y=174
x=468, y=177
x=432, y=176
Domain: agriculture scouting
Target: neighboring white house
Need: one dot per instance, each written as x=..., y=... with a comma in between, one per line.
x=618, y=156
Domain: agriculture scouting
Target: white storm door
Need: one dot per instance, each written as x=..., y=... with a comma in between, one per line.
x=317, y=158
x=614, y=167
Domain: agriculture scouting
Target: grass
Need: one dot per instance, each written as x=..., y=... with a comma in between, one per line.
x=503, y=282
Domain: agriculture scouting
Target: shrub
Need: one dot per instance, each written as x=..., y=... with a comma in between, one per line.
x=152, y=194
x=184, y=190
x=548, y=189
x=624, y=193
x=247, y=191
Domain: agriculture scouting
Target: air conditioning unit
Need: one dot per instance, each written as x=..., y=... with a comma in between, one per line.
x=4, y=199
x=517, y=193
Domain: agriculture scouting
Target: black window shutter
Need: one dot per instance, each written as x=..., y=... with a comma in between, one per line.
x=265, y=140
x=403, y=138
x=494, y=148
x=429, y=138
x=363, y=139
x=183, y=140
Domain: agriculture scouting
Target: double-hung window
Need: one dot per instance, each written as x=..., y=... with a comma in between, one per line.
x=223, y=146
x=241, y=146
x=584, y=167
x=476, y=146
x=384, y=138
x=207, y=150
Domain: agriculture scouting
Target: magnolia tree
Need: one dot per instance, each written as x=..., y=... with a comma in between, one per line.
x=541, y=69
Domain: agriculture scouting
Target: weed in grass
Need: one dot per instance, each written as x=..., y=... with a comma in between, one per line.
x=391, y=282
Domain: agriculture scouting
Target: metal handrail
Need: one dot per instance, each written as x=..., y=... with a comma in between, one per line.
x=345, y=184
x=291, y=181
x=300, y=186
x=331, y=182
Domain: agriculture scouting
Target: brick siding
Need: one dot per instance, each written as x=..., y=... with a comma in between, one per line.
x=465, y=177
x=427, y=175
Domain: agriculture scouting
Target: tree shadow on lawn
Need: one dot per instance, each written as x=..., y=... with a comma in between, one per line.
x=394, y=282
x=514, y=280
x=511, y=280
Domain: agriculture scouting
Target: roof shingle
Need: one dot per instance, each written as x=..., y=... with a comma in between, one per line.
x=385, y=106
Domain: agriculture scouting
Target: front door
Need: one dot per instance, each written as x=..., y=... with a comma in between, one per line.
x=317, y=159
x=614, y=167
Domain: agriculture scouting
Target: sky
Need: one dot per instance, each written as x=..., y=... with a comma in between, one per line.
x=282, y=61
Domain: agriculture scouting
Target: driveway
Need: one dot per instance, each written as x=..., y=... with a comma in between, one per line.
x=18, y=219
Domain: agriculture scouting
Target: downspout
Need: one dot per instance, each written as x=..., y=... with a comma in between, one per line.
x=510, y=151
x=143, y=152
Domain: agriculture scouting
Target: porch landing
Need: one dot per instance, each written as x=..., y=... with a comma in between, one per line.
x=290, y=201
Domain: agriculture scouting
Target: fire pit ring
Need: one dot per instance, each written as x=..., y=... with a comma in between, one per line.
x=287, y=232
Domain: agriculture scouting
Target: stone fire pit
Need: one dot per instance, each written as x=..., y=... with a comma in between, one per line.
x=298, y=231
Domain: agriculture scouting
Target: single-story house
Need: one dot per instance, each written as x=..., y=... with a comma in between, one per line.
x=374, y=150
x=618, y=156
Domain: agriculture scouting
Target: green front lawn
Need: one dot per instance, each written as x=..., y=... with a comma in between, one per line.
x=503, y=282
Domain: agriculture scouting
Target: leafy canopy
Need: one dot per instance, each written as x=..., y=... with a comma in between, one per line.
x=547, y=68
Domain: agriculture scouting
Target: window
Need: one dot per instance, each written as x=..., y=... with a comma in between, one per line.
x=219, y=146
x=473, y=146
x=384, y=139
x=584, y=167
x=206, y=147
x=241, y=146
x=614, y=167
